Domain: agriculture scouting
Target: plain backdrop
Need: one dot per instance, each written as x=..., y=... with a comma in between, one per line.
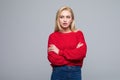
x=26, y=24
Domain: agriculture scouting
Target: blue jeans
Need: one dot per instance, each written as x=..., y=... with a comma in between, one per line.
x=66, y=73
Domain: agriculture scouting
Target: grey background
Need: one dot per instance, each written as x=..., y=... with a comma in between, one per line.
x=26, y=24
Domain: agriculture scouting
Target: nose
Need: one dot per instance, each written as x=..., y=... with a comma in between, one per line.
x=65, y=19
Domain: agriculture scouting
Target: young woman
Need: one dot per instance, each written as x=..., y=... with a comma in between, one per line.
x=66, y=47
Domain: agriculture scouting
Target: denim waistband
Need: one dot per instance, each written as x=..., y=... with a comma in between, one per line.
x=67, y=67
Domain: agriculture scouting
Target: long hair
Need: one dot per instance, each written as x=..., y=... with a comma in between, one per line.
x=57, y=24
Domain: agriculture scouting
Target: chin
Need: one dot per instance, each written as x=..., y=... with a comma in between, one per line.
x=65, y=26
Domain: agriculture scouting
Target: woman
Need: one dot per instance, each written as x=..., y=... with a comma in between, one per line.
x=66, y=47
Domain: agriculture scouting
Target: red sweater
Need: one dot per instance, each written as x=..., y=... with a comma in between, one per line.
x=68, y=53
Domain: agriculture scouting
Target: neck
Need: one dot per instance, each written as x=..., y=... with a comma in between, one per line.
x=65, y=30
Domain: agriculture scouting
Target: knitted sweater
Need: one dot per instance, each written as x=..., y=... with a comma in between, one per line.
x=67, y=43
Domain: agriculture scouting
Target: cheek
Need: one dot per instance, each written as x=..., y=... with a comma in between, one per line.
x=60, y=21
x=70, y=21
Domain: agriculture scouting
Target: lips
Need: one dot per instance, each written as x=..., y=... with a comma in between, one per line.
x=64, y=24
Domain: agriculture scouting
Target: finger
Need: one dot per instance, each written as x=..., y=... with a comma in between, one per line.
x=79, y=45
x=50, y=48
x=51, y=44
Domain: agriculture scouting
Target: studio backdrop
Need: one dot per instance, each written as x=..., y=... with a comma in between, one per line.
x=26, y=24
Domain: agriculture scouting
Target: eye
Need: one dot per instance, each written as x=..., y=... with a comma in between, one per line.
x=61, y=16
x=68, y=16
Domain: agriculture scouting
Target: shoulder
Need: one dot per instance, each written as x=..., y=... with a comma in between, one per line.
x=78, y=31
x=53, y=34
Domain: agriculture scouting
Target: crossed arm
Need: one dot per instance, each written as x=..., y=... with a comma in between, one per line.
x=62, y=57
x=56, y=50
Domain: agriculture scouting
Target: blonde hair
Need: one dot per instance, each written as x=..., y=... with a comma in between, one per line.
x=57, y=24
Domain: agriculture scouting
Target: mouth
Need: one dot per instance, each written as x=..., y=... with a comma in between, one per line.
x=65, y=24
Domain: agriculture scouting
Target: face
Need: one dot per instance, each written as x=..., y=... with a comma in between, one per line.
x=65, y=19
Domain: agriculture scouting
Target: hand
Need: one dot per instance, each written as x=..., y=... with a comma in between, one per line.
x=53, y=48
x=79, y=45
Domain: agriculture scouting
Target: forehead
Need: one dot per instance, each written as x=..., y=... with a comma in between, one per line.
x=65, y=12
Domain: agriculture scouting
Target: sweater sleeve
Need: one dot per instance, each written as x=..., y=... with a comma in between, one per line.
x=54, y=58
x=76, y=53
